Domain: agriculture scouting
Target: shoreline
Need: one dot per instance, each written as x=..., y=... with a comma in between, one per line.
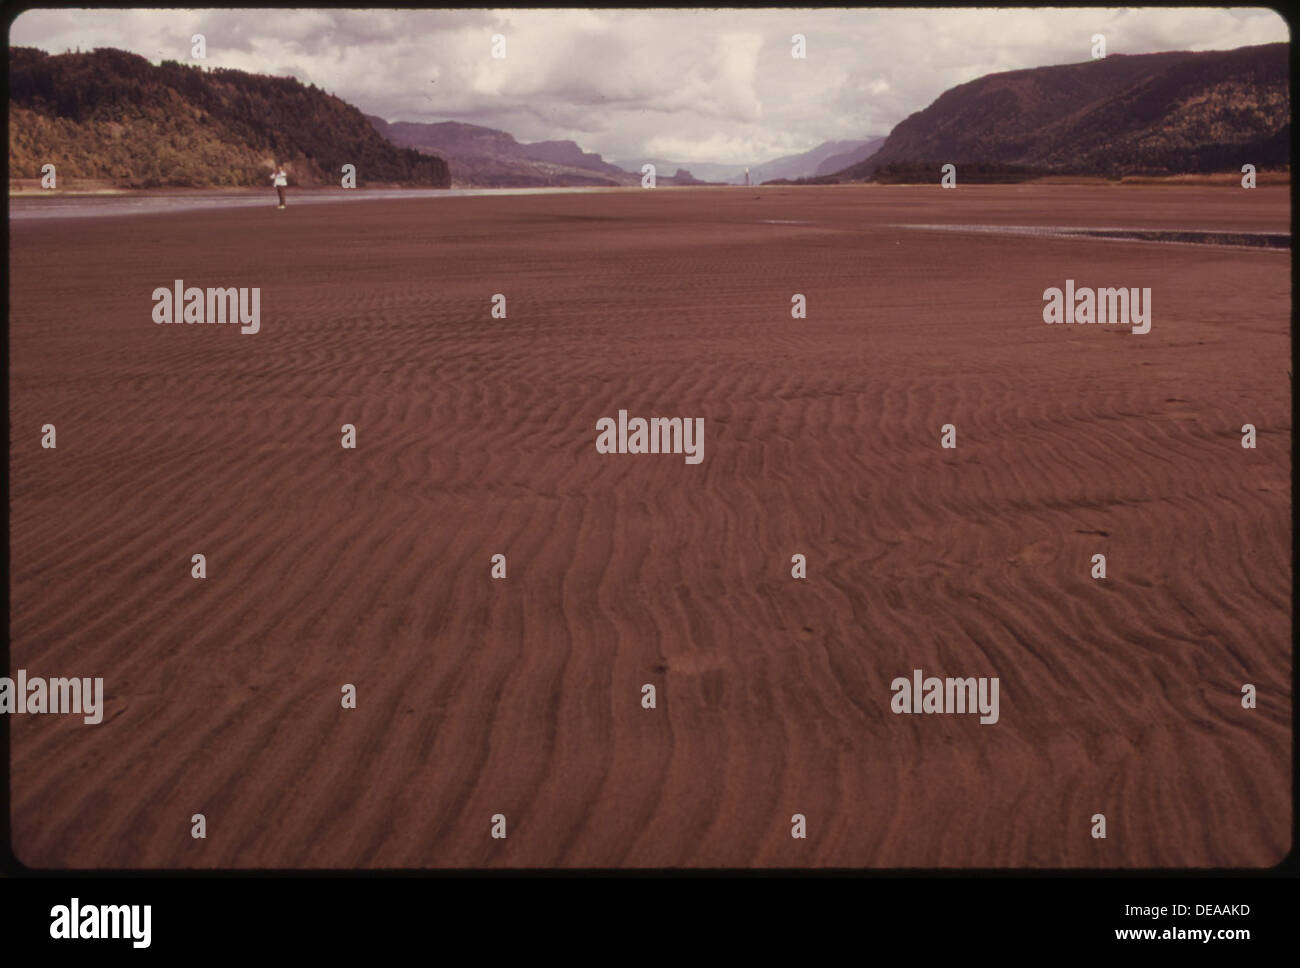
x=30, y=189
x=106, y=203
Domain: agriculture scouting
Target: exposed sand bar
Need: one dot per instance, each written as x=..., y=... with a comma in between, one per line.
x=476, y=437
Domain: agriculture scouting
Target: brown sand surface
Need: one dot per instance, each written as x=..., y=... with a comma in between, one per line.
x=476, y=436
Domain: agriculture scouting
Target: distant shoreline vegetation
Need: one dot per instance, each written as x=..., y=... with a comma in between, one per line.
x=112, y=116
x=810, y=180
x=975, y=173
x=969, y=173
x=928, y=172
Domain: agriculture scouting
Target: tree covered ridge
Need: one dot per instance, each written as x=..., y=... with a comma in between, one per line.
x=1156, y=114
x=109, y=114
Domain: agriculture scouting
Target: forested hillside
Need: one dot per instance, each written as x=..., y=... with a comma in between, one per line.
x=112, y=115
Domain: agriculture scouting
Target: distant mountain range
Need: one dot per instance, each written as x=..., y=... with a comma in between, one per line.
x=708, y=171
x=490, y=158
x=110, y=115
x=827, y=157
x=1162, y=113
x=1151, y=114
x=487, y=157
x=830, y=156
x=838, y=162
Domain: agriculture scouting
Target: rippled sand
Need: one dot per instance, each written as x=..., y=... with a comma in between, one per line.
x=476, y=437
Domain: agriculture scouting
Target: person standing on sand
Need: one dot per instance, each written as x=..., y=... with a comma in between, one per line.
x=281, y=180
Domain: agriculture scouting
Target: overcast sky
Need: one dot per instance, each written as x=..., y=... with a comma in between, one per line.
x=685, y=85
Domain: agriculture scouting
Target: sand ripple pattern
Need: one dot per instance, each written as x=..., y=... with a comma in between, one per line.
x=476, y=437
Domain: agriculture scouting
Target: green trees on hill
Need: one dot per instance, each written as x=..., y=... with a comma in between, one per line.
x=112, y=115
